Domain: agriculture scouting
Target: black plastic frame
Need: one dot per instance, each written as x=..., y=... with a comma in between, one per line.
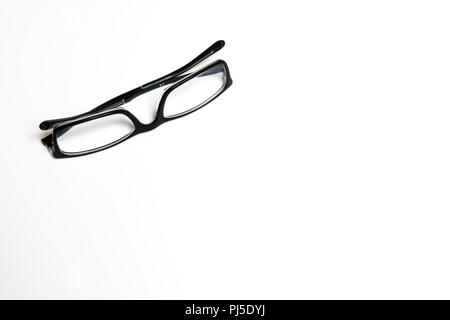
x=113, y=106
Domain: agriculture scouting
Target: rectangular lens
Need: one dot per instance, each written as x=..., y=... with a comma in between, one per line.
x=196, y=92
x=95, y=133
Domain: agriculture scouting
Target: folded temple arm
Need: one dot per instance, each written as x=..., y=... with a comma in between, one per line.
x=130, y=95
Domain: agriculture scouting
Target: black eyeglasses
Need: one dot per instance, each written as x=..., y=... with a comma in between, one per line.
x=109, y=124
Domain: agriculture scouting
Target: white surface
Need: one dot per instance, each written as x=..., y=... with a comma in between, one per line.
x=323, y=172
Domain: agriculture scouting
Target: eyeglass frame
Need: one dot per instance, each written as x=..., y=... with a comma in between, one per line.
x=113, y=106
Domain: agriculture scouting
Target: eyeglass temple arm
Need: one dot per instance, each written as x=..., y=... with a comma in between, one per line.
x=130, y=95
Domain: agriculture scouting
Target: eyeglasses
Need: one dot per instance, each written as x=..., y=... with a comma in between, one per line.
x=110, y=124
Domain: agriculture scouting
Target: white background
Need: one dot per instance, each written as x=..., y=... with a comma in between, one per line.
x=323, y=172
